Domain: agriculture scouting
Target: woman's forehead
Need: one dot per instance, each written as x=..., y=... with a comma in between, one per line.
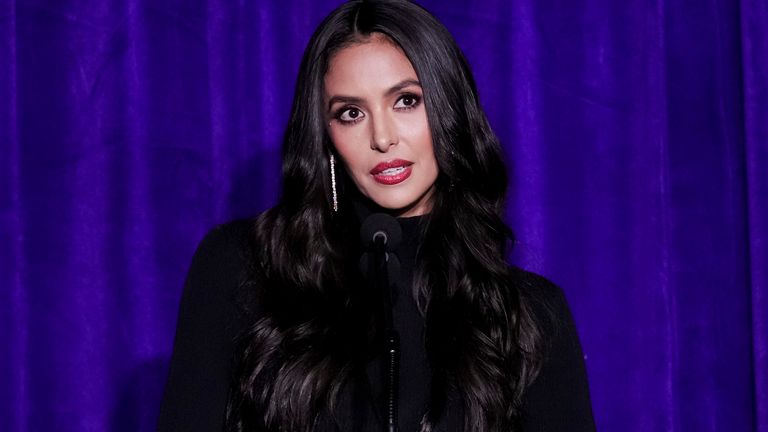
x=372, y=66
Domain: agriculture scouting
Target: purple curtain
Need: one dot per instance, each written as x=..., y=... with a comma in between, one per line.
x=636, y=131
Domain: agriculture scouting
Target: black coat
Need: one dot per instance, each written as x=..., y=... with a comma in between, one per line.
x=210, y=320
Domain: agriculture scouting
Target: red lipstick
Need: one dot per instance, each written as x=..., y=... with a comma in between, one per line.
x=392, y=172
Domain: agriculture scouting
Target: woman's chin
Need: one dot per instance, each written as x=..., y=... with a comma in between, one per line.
x=400, y=208
x=402, y=204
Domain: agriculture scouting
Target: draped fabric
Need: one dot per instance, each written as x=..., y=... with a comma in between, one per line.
x=636, y=133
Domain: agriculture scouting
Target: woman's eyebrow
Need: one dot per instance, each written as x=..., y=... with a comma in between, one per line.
x=401, y=85
x=344, y=99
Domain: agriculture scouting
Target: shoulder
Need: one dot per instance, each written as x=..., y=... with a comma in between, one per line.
x=209, y=321
x=547, y=304
x=541, y=294
x=229, y=240
x=536, y=284
x=225, y=248
x=558, y=399
x=222, y=263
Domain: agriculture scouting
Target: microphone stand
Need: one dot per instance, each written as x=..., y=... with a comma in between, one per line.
x=392, y=339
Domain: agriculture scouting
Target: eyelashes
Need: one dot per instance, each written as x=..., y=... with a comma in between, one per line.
x=413, y=101
x=350, y=114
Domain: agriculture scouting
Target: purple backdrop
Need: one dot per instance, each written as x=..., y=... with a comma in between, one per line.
x=637, y=132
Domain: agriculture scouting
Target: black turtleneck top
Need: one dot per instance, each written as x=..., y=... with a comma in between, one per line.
x=414, y=366
x=210, y=320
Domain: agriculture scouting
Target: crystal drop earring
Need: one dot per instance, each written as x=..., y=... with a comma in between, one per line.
x=333, y=184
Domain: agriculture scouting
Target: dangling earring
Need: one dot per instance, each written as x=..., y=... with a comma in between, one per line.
x=333, y=184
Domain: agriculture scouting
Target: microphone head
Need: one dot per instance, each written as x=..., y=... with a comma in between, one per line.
x=383, y=227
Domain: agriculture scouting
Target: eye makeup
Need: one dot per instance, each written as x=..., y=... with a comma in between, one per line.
x=349, y=114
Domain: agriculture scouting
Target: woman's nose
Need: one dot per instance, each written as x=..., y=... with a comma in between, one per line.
x=384, y=134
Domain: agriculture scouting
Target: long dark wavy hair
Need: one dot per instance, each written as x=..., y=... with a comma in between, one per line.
x=316, y=325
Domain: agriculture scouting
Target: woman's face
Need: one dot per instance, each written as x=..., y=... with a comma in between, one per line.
x=378, y=125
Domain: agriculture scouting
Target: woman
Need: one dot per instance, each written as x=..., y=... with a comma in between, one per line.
x=284, y=327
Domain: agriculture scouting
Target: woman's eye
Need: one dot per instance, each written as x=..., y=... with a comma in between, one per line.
x=350, y=115
x=407, y=102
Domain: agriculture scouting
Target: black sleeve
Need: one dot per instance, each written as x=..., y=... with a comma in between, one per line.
x=198, y=379
x=558, y=399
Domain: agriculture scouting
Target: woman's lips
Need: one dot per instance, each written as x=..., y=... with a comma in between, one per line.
x=392, y=172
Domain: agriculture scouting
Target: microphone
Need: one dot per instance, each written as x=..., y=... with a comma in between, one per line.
x=380, y=233
x=381, y=228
